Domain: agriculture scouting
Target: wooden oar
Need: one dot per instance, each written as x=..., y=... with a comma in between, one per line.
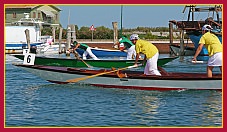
x=77, y=56
x=120, y=75
x=99, y=74
x=162, y=71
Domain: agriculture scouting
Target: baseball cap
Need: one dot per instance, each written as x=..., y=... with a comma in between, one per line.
x=207, y=27
x=134, y=36
x=75, y=42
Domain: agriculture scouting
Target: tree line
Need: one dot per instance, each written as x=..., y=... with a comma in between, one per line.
x=102, y=32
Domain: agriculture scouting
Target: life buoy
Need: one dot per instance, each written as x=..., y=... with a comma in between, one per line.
x=121, y=46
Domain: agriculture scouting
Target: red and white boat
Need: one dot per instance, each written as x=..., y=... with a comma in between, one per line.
x=126, y=79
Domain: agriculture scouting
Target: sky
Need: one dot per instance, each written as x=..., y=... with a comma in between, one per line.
x=133, y=16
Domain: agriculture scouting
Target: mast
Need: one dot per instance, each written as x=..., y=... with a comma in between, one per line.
x=121, y=20
x=69, y=17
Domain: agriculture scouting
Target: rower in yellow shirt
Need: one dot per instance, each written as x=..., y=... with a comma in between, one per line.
x=151, y=54
x=214, y=48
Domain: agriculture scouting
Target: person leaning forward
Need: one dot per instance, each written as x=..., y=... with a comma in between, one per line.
x=128, y=45
x=151, y=54
x=214, y=48
x=86, y=48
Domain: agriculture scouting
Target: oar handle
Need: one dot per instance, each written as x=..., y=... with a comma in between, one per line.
x=87, y=77
x=99, y=74
x=77, y=56
x=133, y=66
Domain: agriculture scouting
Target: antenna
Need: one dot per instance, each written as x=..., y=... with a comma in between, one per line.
x=69, y=17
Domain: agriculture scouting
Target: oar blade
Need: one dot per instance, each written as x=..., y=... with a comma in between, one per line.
x=120, y=75
x=74, y=80
x=99, y=74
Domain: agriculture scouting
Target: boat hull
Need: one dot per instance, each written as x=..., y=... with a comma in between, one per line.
x=67, y=62
x=104, y=52
x=173, y=81
x=17, y=48
x=188, y=51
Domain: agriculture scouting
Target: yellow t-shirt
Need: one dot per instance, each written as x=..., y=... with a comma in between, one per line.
x=145, y=47
x=211, y=43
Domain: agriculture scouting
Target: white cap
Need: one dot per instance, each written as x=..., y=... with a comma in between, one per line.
x=134, y=36
x=207, y=27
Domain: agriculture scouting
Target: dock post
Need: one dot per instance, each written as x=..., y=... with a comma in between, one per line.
x=73, y=32
x=28, y=39
x=60, y=38
x=71, y=35
x=171, y=37
x=53, y=34
x=68, y=37
x=115, y=32
x=181, y=45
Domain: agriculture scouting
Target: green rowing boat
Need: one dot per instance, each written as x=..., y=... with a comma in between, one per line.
x=69, y=62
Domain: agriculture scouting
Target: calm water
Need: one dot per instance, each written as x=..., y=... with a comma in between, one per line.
x=31, y=101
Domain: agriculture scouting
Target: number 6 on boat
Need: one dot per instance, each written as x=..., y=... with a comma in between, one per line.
x=29, y=59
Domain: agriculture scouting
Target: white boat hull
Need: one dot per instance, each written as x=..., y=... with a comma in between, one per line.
x=50, y=49
x=60, y=75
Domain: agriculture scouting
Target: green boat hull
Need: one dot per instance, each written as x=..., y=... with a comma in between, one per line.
x=69, y=62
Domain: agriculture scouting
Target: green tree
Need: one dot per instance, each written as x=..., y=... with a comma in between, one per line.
x=103, y=33
x=84, y=33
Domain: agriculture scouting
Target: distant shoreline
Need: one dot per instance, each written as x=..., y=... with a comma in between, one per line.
x=111, y=41
x=162, y=45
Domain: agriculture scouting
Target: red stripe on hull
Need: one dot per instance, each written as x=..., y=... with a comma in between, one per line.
x=134, y=87
x=146, y=88
x=58, y=82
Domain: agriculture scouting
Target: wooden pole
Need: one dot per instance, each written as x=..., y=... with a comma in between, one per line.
x=182, y=45
x=182, y=42
x=28, y=39
x=92, y=33
x=60, y=38
x=115, y=32
x=53, y=33
x=171, y=36
x=171, y=33
x=73, y=30
x=68, y=37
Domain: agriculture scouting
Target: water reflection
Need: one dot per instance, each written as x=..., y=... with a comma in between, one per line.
x=178, y=108
x=147, y=107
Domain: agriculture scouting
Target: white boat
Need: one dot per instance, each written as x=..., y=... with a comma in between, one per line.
x=126, y=79
x=48, y=46
x=16, y=40
x=50, y=49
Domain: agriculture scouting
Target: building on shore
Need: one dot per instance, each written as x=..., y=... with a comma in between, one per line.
x=48, y=14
